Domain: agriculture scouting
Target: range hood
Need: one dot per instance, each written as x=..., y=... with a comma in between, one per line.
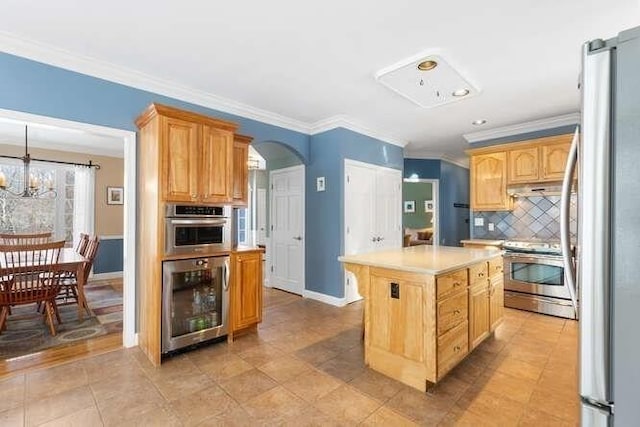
x=528, y=190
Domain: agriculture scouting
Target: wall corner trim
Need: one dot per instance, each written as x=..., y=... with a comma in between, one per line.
x=327, y=299
x=526, y=127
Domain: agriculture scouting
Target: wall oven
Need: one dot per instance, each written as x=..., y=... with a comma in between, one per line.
x=196, y=229
x=195, y=301
x=536, y=282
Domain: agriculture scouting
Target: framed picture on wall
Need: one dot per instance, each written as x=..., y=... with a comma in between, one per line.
x=115, y=195
x=428, y=205
x=409, y=206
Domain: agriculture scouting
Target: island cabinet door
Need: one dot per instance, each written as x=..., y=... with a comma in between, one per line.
x=478, y=313
x=396, y=317
x=496, y=301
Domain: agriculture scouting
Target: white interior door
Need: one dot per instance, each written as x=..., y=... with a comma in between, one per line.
x=261, y=216
x=388, y=213
x=372, y=213
x=287, y=229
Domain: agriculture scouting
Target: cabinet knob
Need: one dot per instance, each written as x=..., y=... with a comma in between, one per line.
x=480, y=274
x=456, y=284
x=457, y=348
x=194, y=196
x=456, y=311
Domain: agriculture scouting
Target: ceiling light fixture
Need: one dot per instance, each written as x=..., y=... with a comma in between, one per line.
x=460, y=92
x=478, y=122
x=427, y=65
x=31, y=187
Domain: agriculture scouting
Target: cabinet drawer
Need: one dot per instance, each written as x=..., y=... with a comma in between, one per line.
x=452, y=348
x=452, y=311
x=478, y=272
x=495, y=266
x=450, y=282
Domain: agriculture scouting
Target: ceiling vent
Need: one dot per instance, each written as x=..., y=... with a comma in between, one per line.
x=427, y=80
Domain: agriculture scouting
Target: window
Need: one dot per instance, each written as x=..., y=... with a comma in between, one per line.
x=24, y=215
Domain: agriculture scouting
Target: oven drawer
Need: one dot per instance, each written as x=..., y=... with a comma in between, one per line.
x=452, y=311
x=452, y=348
x=451, y=282
x=478, y=273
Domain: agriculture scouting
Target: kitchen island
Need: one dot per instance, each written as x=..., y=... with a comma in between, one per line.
x=426, y=308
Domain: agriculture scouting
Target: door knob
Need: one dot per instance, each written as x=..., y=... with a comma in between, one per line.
x=297, y=238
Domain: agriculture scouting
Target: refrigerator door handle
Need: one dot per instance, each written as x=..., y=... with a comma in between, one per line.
x=594, y=218
x=565, y=207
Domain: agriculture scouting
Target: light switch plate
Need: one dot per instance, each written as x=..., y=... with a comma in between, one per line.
x=320, y=183
x=478, y=222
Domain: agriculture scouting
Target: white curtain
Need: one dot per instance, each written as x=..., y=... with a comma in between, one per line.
x=83, y=202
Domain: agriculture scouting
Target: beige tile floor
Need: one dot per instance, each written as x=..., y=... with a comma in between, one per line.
x=304, y=367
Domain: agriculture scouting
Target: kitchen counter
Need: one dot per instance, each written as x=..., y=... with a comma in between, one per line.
x=485, y=242
x=425, y=259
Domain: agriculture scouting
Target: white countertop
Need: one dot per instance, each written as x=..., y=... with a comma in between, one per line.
x=425, y=259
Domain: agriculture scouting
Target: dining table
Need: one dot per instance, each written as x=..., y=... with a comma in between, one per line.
x=71, y=261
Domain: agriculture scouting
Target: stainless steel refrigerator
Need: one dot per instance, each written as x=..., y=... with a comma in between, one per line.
x=608, y=247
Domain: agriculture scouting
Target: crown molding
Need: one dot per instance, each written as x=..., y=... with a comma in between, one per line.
x=422, y=155
x=96, y=68
x=526, y=127
x=345, y=122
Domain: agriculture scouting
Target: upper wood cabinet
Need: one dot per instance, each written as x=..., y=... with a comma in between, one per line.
x=554, y=160
x=538, y=160
x=523, y=165
x=196, y=153
x=240, y=169
x=489, y=182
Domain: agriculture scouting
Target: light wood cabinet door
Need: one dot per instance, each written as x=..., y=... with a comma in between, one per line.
x=396, y=321
x=523, y=165
x=180, y=160
x=489, y=182
x=240, y=170
x=496, y=301
x=554, y=161
x=246, y=301
x=215, y=174
x=478, y=314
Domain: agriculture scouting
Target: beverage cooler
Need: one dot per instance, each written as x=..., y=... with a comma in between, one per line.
x=195, y=298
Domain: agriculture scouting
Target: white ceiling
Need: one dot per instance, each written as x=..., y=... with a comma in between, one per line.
x=310, y=62
x=56, y=138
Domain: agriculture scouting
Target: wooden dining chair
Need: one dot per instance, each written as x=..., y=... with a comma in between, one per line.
x=24, y=239
x=69, y=289
x=29, y=274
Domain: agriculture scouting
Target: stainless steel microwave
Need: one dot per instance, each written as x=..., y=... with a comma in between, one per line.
x=196, y=229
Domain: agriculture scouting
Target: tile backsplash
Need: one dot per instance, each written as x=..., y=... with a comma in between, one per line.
x=533, y=217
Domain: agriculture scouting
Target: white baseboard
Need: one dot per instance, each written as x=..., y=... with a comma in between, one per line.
x=327, y=299
x=105, y=276
x=128, y=342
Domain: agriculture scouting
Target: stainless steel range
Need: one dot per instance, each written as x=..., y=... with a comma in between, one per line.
x=534, y=279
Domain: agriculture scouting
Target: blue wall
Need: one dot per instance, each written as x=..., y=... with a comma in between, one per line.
x=37, y=88
x=109, y=257
x=324, y=223
x=454, y=189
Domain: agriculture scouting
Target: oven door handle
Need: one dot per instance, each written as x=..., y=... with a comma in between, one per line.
x=567, y=256
x=197, y=221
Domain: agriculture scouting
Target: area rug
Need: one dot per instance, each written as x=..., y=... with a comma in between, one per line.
x=28, y=333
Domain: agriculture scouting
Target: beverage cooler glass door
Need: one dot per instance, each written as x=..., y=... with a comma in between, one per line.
x=195, y=300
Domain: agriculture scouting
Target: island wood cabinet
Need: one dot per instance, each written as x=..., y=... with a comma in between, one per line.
x=196, y=154
x=246, y=291
x=486, y=300
x=240, y=169
x=417, y=326
x=488, y=174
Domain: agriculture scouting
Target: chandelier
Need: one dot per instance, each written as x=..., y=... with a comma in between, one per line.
x=32, y=187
